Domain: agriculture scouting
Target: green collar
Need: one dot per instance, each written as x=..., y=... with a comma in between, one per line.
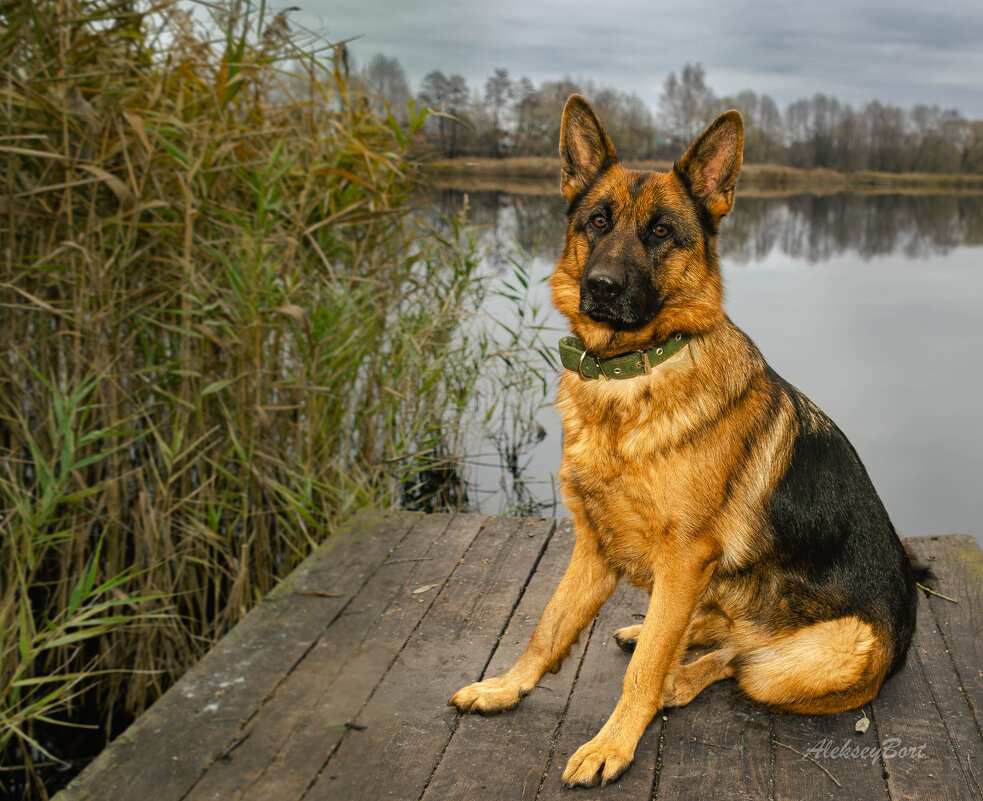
x=575, y=357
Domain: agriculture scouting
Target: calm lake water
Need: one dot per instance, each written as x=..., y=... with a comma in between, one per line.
x=870, y=304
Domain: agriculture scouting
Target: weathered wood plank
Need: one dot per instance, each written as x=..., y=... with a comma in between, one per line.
x=716, y=747
x=958, y=564
x=829, y=742
x=921, y=757
x=285, y=744
x=514, y=747
x=955, y=712
x=946, y=655
x=265, y=714
x=406, y=725
x=595, y=694
x=163, y=753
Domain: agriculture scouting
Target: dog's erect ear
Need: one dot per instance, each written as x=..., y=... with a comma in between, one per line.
x=585, y=149
x=711, y=164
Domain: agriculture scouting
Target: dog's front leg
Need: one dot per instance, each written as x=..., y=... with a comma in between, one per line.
x=679, y=582
x=586, y=585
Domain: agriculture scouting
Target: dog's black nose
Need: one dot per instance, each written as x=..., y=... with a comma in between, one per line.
x=606, y=284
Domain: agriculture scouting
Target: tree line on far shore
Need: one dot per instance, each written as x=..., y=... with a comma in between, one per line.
x=515, y=117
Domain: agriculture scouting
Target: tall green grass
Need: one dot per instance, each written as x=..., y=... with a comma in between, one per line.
x=221, y=330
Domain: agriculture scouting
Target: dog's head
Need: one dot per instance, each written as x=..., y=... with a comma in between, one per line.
x=640, y=261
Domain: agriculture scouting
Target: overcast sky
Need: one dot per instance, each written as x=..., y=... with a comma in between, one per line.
x=896, y=51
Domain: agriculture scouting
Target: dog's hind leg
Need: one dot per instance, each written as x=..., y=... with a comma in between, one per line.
x=627, y=638
x=704, y=629
x=586, y=585
x=688, y=681
x=820, y=669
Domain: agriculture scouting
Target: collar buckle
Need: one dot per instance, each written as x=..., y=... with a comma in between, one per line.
x=600, y=370
x=597, y=364
x=580, y=367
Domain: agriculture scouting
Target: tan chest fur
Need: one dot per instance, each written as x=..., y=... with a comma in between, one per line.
x=651, y=463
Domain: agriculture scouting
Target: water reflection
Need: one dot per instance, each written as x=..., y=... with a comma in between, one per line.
x=534, y=223
x=813, y=228
x=818, y=228
x=869, y=303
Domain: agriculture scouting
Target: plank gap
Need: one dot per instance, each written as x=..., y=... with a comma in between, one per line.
x=559, y=723
x=498, y=640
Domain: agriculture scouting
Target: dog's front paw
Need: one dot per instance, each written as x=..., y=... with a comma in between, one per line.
x=489, y=697
x=597, y=760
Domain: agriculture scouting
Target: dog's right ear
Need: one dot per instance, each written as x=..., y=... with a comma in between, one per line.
x=585, y=149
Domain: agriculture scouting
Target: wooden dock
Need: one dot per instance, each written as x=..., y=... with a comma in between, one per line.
x=336, y=687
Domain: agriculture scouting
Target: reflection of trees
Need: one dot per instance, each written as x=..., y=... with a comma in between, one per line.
x=971, y=223
x=541, y=224
x=816, y=228
x=537, y=223
x=751, y=231
x=813, y=228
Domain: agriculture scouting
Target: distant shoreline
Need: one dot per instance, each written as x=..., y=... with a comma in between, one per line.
x=537, y=175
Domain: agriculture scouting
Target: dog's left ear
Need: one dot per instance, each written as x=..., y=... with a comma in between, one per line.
x=585, y=148
x=711, y=164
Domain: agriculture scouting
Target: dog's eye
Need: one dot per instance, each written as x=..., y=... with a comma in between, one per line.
x=661, y=231
x=599, y=221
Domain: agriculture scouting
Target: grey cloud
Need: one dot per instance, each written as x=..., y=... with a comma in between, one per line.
x=899, y=52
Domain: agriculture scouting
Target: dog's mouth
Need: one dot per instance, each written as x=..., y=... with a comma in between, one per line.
x=621, y=314
x=619, y=297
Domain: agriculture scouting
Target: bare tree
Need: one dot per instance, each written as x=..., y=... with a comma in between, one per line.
x=797, y=128
x=499, y=92
x=768, y=121
x=386, y=78
x=448, y=97
x=890, y=146
x=627, y=119
x=943, y=137
x=524, y=94
x=686, y=105
x=541, y=115
x=972, y=160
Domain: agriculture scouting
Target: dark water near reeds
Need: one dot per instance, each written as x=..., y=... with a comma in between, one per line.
x=870, y=304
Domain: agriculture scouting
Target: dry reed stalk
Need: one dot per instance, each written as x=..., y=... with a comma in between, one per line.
x=223, y=333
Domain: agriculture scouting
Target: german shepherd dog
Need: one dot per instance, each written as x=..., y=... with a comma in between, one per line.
x=691, y=468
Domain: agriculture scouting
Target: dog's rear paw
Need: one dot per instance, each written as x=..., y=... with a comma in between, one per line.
x=596, y=762
x=488, y=697
x=627, y=638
